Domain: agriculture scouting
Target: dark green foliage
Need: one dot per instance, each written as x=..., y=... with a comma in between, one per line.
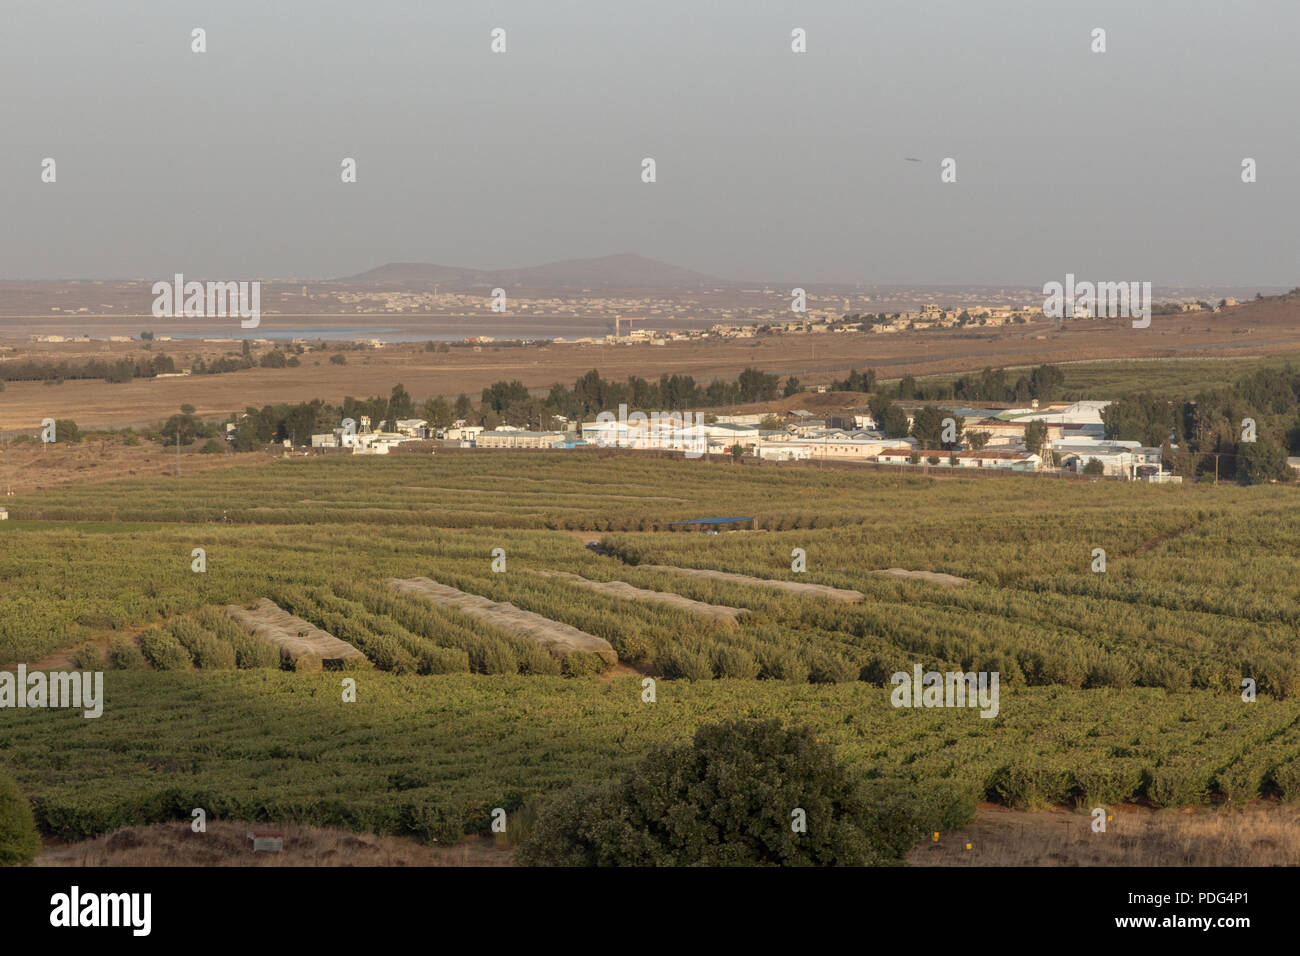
x=123, y=654
x=1260, y=461
x=161, y=649
x=741, y=793
x=88, y=658
x=19, y=842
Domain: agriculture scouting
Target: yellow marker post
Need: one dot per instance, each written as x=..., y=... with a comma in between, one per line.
x=936, y=836
x=968, y=846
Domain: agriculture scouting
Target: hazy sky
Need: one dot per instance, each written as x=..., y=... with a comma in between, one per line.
x=771, y=165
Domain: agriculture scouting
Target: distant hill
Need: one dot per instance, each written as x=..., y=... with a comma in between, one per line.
x=625, y=271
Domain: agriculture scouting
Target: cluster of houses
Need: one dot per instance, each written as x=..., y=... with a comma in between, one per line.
x=1074, y=436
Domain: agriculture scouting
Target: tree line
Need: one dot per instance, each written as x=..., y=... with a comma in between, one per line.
x=1243, y=433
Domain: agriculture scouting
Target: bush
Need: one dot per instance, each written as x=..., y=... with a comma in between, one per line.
x=583, y=664
x=727, y=798
x=452, y=660
x=163, y=651
x=212, y=447
x=736, y=662
x=338, y=358
x=67, y=431
x=19, y=842
x=124, y=655
x=688, y=663
x=832, y=669
x=88, y=657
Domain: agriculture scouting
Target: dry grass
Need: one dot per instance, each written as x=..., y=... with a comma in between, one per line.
x=302, y=643
x=1259, y=835
x=794, y=587
x=224, y=844
x=934, y=577
x=720, y=613
x=813, y=358
x=558, y=638
x=33, y=466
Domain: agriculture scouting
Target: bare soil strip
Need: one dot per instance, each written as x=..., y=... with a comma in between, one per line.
x=934, y=577
x=302, y=643
x=717, y=612
x=558, y=638
x=1259, y=834
x=794, y=587
x=226, y=843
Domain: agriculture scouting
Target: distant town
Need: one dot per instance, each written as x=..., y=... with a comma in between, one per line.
x=1066, y=437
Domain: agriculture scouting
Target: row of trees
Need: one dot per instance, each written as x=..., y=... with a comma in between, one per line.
x=510, y=402
x=1243, y=433
x=119, y=370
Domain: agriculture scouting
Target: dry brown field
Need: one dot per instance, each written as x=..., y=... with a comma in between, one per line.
x=1262, y=834
x=1270, y=327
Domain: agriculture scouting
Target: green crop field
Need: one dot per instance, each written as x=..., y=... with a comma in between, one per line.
x=1118, y=685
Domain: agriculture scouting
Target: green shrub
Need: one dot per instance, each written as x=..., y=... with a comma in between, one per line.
x=729, y=797
x=735, y=662
x=123, y=655
x=88, y=657
x=163, y=651
x=19, y=842
x=583, y=664
x=686, y=663
x=830, y=668
x=455, y=660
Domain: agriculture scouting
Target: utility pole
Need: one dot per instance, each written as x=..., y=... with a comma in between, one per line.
x=178, y=451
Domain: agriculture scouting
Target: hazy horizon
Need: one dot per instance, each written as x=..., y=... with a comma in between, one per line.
x=1117, y=166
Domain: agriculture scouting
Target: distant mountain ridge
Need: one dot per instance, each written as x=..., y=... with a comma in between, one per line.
x=623, y=271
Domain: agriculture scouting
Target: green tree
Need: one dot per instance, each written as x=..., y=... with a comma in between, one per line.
x=726, y=798
x=1094, y=467
x=927, y=426
x=1260, y=461
x=400, y=405
x=756, y=386
x=437, y=412
x=463, y=407
x=977, y=440
x=1035, y=437
x=892, y=422
x=19, y=842
x=792, y=387
x=771, y=423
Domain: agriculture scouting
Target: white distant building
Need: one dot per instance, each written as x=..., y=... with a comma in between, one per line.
x=517, y=438
x=412, y=427
x=462, y=432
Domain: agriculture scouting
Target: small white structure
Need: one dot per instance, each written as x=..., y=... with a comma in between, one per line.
x=517, y=438
x=4, y=515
